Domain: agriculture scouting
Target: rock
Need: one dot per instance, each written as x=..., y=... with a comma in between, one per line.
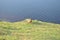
x=29, y=20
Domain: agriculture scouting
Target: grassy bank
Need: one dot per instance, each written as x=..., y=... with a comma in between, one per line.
x=37, y=30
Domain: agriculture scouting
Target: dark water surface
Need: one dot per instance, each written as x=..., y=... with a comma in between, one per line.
x=45, y=10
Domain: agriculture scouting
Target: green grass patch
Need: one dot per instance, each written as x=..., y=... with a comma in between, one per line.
x=37, y=30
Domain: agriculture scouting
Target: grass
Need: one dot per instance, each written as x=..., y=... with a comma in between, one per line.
x=37, y=30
